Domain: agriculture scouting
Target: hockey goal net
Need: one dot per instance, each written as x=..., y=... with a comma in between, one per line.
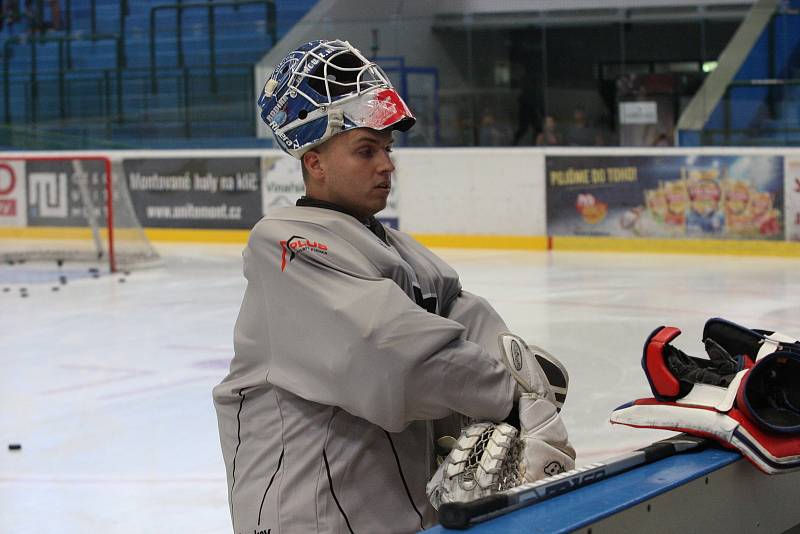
x=69, y=208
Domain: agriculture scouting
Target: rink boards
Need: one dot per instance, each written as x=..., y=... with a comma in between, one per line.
x=711, y=491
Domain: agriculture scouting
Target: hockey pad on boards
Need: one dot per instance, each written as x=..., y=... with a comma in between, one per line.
x=746, y=394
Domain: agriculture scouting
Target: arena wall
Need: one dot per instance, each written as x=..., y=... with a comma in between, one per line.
x=529, y=198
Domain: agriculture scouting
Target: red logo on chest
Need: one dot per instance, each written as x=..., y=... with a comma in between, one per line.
x=297, y=244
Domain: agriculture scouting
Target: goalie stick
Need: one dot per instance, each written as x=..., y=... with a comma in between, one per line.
x=460, y=515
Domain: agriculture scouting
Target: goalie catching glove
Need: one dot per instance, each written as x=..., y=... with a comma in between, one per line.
x=746, y=395
x=491, y=457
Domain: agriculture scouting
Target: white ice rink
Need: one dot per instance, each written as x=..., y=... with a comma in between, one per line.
x=107, y=385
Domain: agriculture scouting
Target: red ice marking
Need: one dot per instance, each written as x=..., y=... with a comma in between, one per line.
x=110, y=480
x=166, y=385
x=212, y=364
x=200, y=348
x=126, y=374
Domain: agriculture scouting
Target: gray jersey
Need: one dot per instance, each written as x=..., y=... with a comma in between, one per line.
x=350, y=352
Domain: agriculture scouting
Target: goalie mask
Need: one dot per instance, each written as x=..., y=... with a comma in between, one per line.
x=324, y=88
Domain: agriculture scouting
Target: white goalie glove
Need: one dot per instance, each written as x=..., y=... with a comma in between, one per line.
x=491, y=457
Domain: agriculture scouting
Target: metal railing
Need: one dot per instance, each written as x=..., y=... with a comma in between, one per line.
x=179, y=8
x=63, y=64
x=93, y=99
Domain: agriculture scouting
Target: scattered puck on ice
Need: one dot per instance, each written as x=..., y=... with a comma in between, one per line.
x=126, y=273
x=121, y=280
x=93, y=270
x=55, y=288
x=6, y=289
x=62, y=279
x=10, y=262
x=14, y=446
x=95, y=275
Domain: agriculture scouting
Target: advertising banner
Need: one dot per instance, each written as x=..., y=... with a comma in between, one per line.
x=195, y=192
x=12, y=193
x=58, y=189
x=696, y=196
x=793, y=198
x=283, y=178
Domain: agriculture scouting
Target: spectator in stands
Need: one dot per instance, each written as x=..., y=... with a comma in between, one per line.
x=530, y=114
x=9, y=12
x=492, y=132
x=55, y=14
x=550, y=135
x=580, y=132
x=34, y=12
x=662, y=139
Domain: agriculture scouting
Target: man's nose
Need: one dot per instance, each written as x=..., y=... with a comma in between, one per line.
x=385, y=165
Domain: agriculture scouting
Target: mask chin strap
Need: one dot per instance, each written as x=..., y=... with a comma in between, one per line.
x=335, y=123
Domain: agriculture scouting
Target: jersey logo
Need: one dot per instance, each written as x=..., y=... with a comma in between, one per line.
x=297, y=244
x=516, y=355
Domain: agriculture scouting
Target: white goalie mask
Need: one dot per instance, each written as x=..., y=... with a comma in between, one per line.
x=324, y=88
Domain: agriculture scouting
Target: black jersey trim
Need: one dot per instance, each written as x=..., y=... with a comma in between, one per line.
x=403, y=478
x=330, y=484
x=271, y=480
x=370, y=222
x=238, y=443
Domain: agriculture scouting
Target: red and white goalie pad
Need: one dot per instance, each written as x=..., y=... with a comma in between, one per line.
x=746, y=395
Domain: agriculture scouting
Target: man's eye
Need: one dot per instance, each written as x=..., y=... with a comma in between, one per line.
x=367, y=152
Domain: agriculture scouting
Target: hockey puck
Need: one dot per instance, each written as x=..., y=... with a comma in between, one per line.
x=6, y=289
x=14, y=447
x=55, y=288
x=94, y=270
x=62, y=279
x=121, y=280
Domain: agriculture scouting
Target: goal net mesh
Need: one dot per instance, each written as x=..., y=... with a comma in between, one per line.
x=70, y=209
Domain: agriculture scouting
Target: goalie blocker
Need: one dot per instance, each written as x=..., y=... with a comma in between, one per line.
x=746, y=395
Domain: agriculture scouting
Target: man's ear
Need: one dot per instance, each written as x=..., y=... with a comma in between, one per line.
x=312, y=165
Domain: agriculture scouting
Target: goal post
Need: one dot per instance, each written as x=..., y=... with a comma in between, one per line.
x=69, y=208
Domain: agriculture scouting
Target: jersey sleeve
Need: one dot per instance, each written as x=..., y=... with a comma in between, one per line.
x=481, y=322
x=338, y=333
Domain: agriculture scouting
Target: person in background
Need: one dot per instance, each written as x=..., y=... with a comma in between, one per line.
x=492, y=132
x=580, y=132
x=529, y=114
x=550, y=135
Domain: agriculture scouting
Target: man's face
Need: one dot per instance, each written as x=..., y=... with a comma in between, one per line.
x=355, y=171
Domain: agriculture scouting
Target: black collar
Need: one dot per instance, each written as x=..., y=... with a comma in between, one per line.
x=371, y=222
